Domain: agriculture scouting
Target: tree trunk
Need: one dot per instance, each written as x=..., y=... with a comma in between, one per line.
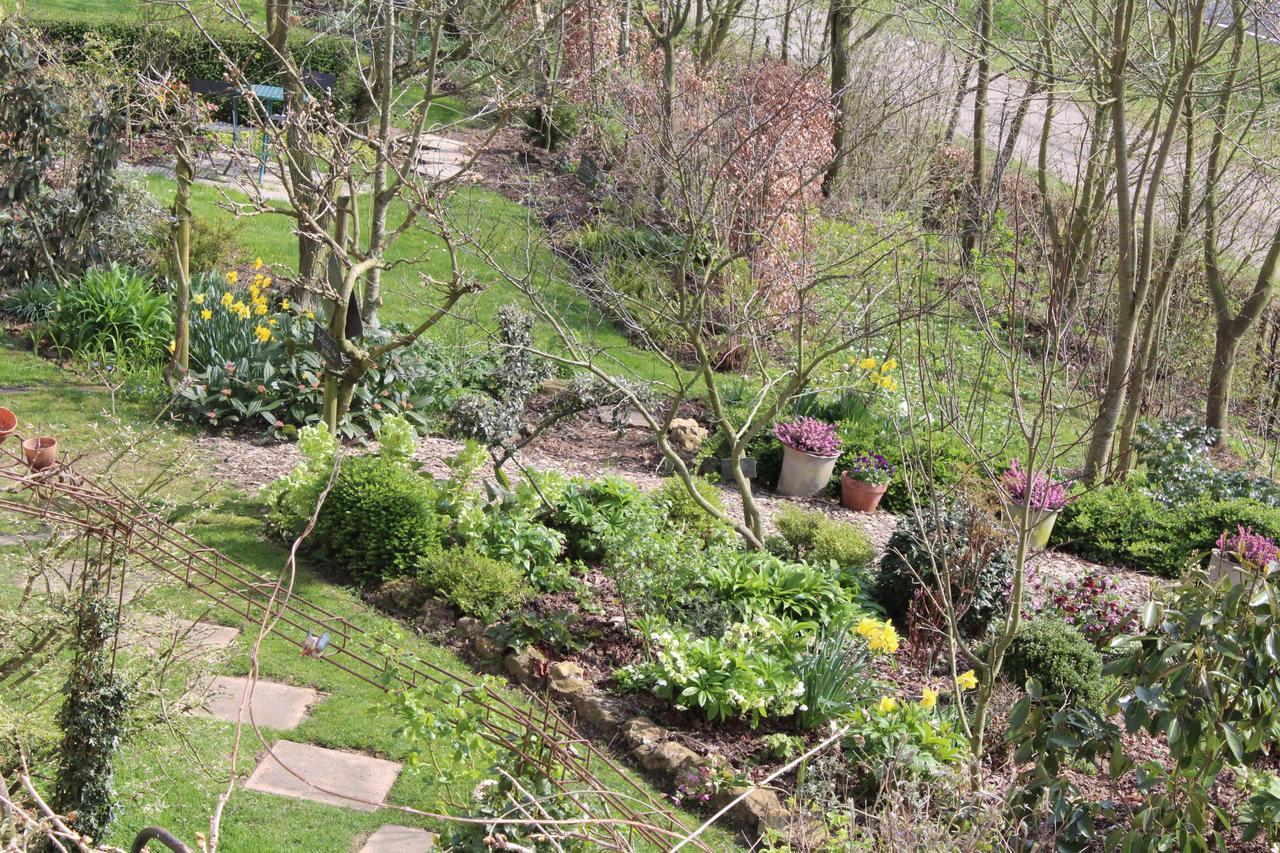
x=180, y=237
x=974, y=219
x=839, y=23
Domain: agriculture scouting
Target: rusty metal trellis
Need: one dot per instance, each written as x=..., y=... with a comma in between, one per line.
x=119, y=534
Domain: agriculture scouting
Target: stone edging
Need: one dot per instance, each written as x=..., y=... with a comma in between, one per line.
x=663, y=758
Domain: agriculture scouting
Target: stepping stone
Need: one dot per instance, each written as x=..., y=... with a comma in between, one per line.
x=64, y=579
x=158, y=632
x=399, y=839
x=341, y=775
x=274, y=705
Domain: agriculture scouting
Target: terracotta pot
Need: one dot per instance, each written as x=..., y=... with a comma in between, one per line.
x=8, y=423
x=803, y=474
x=1042, y=521
x=860, y=496
x=41, y=453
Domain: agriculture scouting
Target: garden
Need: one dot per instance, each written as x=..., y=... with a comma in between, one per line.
x=485, y=429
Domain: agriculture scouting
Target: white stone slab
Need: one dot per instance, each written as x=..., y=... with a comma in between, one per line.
x=159, y=632
x=399, y=839
x=273, y=705
x=328, y=776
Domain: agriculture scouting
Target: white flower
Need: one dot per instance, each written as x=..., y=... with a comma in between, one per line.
x=804, y=707
x=903, y=409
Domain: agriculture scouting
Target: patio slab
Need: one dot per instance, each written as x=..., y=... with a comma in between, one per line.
x=158, y=632
x=399, y=839
x=273, y=705
x=337, y=778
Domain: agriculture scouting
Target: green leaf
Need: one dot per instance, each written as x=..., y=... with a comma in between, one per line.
x=1233, y=742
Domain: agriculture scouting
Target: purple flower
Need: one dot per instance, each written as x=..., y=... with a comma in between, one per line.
x=870, y=468
x=1251, y=548
x=1041, y=493
x=809, y=435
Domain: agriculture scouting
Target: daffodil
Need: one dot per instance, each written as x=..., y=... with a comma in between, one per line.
x=257, y=263
x=889, y=364
x=263, y=334
x=266, y=282
x=929, y=699
x=967, y=680
x=254, y=290
x=198, y=299
x=260, y=307
x=227, y=299
x=284, y=304
x=173, y=345
x=886, y=704
x=884, y=640
x=233, y=277
x=206, y=314
x=867, y=363
x=867, y=627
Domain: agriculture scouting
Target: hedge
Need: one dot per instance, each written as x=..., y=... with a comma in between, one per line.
x=186, y=53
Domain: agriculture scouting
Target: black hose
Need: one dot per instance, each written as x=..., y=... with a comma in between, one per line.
x=155, y=833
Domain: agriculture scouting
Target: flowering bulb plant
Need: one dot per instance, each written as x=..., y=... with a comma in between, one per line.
x=1039, y=492
x=1093, y=606
x=870, y=468
x=1250, y=548
x=809, y=435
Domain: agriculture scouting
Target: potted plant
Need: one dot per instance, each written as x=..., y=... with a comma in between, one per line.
x=864, y=483
x=810, y=449
x=8, y=423
x=40, y=452
x=1240, y=555
x=1040, y=496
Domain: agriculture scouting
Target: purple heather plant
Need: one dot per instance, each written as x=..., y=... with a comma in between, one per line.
x=1041, y=493
x=870, y=468
x=809, y=435
x=1251, y=548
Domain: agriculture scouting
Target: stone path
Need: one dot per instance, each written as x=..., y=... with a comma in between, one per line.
x=399, y=839
x=159, y=632
x=337, y=778
x=272, y=705
x=63, y=578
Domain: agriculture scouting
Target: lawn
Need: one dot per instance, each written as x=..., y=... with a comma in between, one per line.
x=506, y=230
x=172, y=768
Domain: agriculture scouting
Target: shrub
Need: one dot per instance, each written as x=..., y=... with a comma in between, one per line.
x=112, y=312
x=976, y=556
x=1060, y=658
x=744, y=673
x=1179, y=468
x=380, y=519
x=680, y=507
x=133, y=232
x=809, y=435
x=1119, y=524
x=291, y=499
x=31, y=303
x=1091, y=606
x=754, y=583
x=215, y=243
x=585, y=512
x=814, y=537
x=477, y=585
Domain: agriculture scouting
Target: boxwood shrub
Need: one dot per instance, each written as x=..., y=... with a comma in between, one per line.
x=1060, y=658
x=380, y=519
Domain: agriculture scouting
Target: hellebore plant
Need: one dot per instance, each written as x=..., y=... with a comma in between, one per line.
x=1250, y=548
x=809, y=435
x=870, y=468
x=1040, y=493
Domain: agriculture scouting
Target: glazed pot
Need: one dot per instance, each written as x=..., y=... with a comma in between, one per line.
x=8, y=423
x=860, y=496
x=804, y=474
x=1042, y=521
x=41, y=453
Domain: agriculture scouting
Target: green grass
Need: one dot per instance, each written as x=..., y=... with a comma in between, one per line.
x=128, y=9
x=504, y=229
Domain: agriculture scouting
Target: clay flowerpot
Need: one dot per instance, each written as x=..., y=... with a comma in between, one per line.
x=1042, y=521
x=41, y=453
x=803, y=474
x=8, y=423
x=860, y=496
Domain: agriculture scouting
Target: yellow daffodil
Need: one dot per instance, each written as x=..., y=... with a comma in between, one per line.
x=240, y=310
x=889, y=364
x=254, y=291
x=867, y=364
x=929, y=699
x=311, y=315
x=271, y=321
x=263, y=334
x=233, y=277
x=885, y=640
x=888, y=383
x=260, y=307
x=206, y=314
x=198, y=299
x=173, y=345
x=284, y=304
x=257, y=263
x=266, y=282
x=867, y=627
x=886, y=704
x=967, y=680
x=226, y=300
